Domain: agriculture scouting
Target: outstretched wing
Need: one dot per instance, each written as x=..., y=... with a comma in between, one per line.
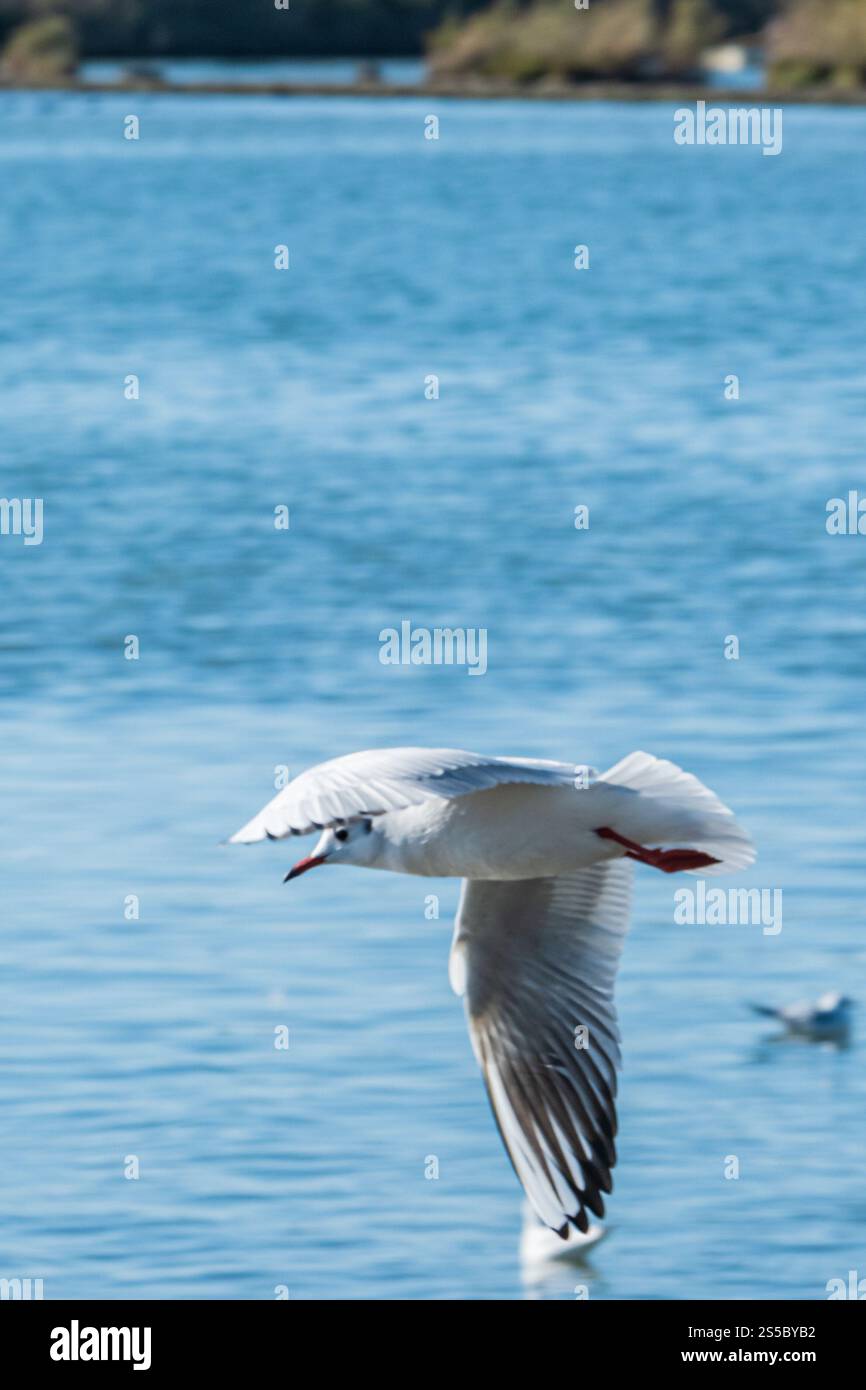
x=536, y=959
x=387, y=779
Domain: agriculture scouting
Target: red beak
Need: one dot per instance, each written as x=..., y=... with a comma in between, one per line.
x=304, y=864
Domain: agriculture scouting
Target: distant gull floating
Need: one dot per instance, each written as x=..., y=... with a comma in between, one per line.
x=544, y=849
x=827, y=1017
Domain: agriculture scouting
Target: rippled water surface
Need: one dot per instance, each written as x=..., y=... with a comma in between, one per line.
x=307, y=70
x=259, y=648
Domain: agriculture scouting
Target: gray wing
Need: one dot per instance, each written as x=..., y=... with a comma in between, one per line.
x=388, y=779
x=536, y=960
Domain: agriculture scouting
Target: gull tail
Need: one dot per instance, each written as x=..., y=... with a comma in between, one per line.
x=764, y=1010
x=672, y=807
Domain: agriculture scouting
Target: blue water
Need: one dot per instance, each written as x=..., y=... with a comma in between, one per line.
x=394, y=71
x=398, y=71
x=155, y=1037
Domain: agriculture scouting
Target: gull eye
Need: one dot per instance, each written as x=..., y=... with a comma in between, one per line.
x=341, y=835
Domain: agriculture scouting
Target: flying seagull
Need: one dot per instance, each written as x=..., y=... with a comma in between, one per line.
x=545, y=851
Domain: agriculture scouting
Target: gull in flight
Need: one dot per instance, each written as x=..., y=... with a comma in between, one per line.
x=827, y=1017
x=545, y=851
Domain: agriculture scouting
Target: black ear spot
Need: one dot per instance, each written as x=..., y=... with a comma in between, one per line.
x=367, y=824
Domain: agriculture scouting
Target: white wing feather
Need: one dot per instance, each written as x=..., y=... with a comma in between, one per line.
x=388, y=779
x=538, y=959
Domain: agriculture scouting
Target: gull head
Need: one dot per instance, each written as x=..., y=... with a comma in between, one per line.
x=835, y=1003
x=356, y=842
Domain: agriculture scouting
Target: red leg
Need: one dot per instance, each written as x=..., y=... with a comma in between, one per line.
x=670, y=861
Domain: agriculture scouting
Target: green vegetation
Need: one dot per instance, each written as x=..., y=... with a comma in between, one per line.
x=692, y=26
x=815, y=42
x=625, y=40
x=42, y=51
x=548, y=39
x=809, y=42
x=242, y=28
x=257, y=28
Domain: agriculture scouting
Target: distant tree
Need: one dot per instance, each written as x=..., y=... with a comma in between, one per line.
x=813, y=44
x=691, y=27
x=131, y=28
x=738, y=17
x=141, y=28
x=40, y=51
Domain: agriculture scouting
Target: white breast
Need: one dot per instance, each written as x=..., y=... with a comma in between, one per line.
x=511, y=832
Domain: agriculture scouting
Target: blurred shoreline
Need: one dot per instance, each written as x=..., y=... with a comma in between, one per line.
x=808, y=51
x=465, y=91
